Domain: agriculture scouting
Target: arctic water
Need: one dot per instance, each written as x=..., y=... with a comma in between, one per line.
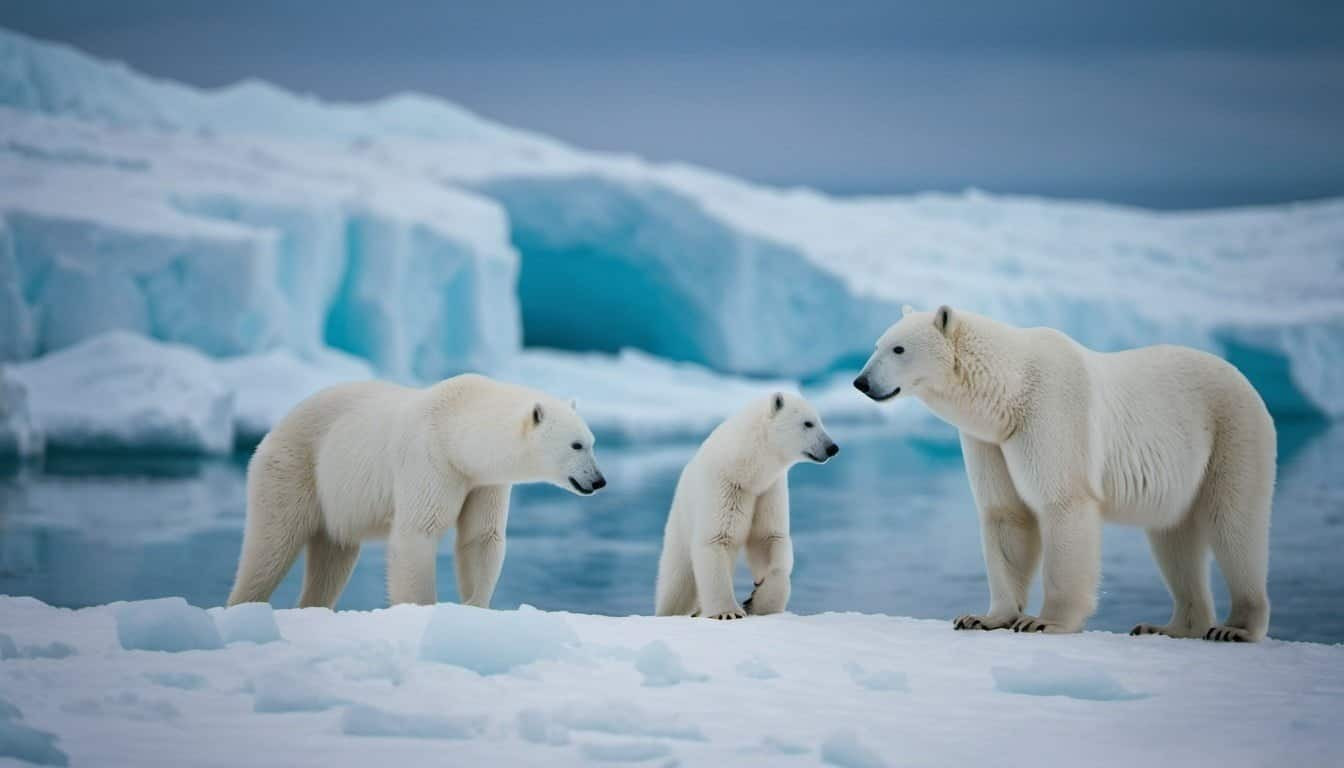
x=887, y=527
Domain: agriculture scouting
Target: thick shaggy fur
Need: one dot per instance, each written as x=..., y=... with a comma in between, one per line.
x=376, y=460
x=1058, y=438
x=735, y=492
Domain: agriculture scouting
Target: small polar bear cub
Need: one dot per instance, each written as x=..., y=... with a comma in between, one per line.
x=1058, y=438
x=735, y=491
x=377, y=460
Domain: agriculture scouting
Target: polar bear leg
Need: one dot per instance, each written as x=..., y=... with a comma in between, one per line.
x=1010, y=538
x=411, y=566
x=1239, y=512
x=1182, y=555
x=1071, y=539
x=712, y=563
x=770, y=551
x=479, y=549
x=327, y=568
x=282, y=514
x=676, y=580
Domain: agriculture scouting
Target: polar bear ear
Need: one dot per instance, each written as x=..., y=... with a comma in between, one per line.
x=943, y=319
x=777, y=403
x=537, y=414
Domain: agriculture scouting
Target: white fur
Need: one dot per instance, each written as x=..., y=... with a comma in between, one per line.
x=733, y=492
x=377, y=460
x=1058, y=438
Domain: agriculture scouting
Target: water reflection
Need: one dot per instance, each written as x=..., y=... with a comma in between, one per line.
x=889, y=527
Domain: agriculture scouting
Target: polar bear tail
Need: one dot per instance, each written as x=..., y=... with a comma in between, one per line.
x=282, y=516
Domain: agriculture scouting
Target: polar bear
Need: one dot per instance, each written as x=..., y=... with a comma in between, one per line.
x=735, y=490
x=377, y=460
x=1058, y=438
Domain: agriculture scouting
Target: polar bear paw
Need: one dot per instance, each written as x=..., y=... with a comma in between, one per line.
x=1150, y=629
x=1227, y=634
x=1033, y=624
x=729, y=615
x=972, y=621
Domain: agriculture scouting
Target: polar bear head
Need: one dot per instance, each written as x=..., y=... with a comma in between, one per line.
x=793, y=431
x=914, y=353
x=561, y=446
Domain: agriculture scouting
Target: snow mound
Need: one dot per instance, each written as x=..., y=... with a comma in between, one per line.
x=1050, y=674
x=249, y=622
x=187, y=681
x=26, y=744
x=624, y=751
x=165, y=624
x=877, y=679
x=283, y=690
x=166, y=397
x=756, y=669
x=844, y=749
x=494, y=642
x=365, y=720
x=624, y=718
x=661, y=666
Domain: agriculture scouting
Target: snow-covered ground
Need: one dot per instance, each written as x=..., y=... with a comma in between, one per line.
x=163, y=683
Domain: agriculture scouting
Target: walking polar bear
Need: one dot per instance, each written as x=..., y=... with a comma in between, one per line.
x=1058, y=438
x=735, y=491
x=377, y=460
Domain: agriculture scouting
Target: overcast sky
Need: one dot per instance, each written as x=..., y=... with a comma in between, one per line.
x=1168, y=104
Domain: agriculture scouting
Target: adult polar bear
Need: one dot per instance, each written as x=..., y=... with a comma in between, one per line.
x=1058, y=438
x=735, y=491
x=377, y=460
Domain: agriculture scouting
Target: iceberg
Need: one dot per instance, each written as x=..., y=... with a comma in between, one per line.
x=425, y=241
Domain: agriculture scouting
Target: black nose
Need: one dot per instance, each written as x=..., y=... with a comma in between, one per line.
x=861, y=383
x=600, y=482
x=832, y=449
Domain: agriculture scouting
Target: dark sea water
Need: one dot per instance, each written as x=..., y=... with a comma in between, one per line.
x=888, y=527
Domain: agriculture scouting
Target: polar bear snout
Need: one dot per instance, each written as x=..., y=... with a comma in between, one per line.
x=596, y=484
x=824, y=452
x=866, y=387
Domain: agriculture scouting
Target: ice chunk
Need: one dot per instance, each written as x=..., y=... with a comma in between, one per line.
x=119, y=390
x=19, y=434
x=661, y=666
x=536, y=727
x=249, y=622
x=756, y=668
x=784, y=746
x=365, y=720
x=877, y=679
x=267, y=386
x=26, y=744
x=844, y=749
x=625, y=718
x=624, y=751
x=187, y=681
x=165, y=624
x=1050, y=674
x=285, y=691
x=128, y=705
x=53, y=650
x=494, y=642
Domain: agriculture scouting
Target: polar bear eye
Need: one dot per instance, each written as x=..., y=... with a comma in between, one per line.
x=898, y=349
x=808, y=424
x=576, y=446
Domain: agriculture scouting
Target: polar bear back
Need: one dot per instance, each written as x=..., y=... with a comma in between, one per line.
x=1154, y=418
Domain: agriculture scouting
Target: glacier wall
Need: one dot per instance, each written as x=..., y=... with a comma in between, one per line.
x=609, y=264
x=419, y=240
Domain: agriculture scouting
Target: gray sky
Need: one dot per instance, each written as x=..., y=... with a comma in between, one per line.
x=1167, y=104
